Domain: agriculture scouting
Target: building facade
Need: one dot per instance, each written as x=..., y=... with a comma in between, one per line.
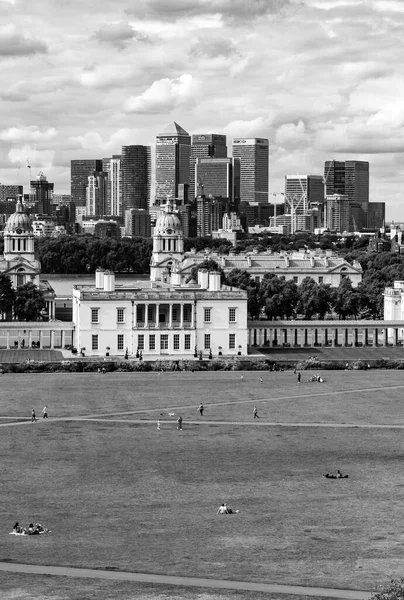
x=254, y=168
x=136, y=176
x=219, y=178
x=80, y=170
x=304, y=201
x=208, y=145
x=42, y=194
x=112, y=166
x=173, y=152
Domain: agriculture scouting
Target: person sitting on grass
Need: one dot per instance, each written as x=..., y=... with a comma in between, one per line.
x=225, y=510
x=339, y=475
x=17, y=528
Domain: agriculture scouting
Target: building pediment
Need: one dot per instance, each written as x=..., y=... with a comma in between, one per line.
x=345, y=267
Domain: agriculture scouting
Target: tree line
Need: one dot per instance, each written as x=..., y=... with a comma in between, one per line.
x=26, y=303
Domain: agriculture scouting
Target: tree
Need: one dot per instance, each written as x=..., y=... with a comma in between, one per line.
x=394, y=590
x=6, y=293
x=347, y=299
x=242, y=279
x=278, y=296
x=29, y=302
x=307, y=303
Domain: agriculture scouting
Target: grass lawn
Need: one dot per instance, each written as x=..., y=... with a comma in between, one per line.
x=119, y=494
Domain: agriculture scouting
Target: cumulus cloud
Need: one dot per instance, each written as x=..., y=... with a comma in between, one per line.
x=292, y=135
x=118, y=34
x=164, y=95
x=104, y=76
x=39, y=159
x=27, y=134
x=15, y=43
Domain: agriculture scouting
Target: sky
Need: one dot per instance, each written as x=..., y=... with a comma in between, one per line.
x=321, y=79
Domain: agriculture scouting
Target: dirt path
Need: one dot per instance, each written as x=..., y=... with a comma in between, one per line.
x=272, y=588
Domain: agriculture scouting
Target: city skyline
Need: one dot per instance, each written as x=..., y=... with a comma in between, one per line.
x=316, y=88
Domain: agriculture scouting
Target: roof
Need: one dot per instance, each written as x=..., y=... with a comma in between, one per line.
x=174, y=129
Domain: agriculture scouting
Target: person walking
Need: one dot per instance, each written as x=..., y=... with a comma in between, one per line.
x=179, y=421
x=255, y=412
x=33, y=417
x=261, y=380
x=45, y=412
x=158, y=425
x=299, y=377
x=241, y=378
x=201, y=409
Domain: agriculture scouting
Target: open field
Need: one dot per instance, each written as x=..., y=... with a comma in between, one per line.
x=118, y=494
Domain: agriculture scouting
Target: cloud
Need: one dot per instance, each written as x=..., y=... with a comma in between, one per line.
x=164, y=95
x=118, y=35
x=27, y=134
x=230, y=10
x=39, y=159
x=105, y=76
x=14, y=43
x=291, y=135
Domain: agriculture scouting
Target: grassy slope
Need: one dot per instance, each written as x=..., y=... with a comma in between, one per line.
x=126, y=496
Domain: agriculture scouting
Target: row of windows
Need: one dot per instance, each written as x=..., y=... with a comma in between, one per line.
x=207, y=317
x=120, y=314
x=163, y=341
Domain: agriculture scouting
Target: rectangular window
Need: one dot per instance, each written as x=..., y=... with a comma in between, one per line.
x=321, y=279
x=175, y=314
x=232, y=341
x=94, y=315
x=152, y=342
x=139, y=313
x=207, y=341
x=232, y=315
x=164, y=341
x=140, y=342
x=120, y=315
x=176, y=341
x=120, y=341
x=150, y=313
x=257, y=279
x=295, y=279
x=94, y=342
x=206, y=317
x=186, y=313
x=187, y=341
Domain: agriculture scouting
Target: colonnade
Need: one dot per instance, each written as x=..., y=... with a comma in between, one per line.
x=27, y=336
x=325, y=333
x=180, y=322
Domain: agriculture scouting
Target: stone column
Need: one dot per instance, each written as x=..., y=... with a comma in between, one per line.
x=386, y=337
x=334, y=341
x=134, y=316
x=193, y=316
x=375, y=340
x=170, y=315
x=395, y=342
x=8, y=340
x=271, y=337
x=181, y=316
x=52, y=339
x=157, y=316
x=29, y=339
x=40, y=339
x=146, y=316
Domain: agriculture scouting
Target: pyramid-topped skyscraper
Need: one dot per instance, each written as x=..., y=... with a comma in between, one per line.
x=173, y=150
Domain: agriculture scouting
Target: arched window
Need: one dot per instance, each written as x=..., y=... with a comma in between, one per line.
x=20, y=277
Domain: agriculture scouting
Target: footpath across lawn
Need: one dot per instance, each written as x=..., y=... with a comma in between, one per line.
x=119, y=494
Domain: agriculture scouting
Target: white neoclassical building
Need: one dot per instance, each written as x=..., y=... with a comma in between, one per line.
x=163, y=316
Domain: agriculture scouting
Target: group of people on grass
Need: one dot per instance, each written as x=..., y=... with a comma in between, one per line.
x=32, y=529
x=44, y=414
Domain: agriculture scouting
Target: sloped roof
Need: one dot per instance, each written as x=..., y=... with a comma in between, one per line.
x=174, y=129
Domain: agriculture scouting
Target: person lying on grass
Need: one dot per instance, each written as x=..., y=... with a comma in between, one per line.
x=30, y=530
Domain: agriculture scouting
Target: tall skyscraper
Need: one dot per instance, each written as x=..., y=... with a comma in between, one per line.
x=209, y=145
x=136, y=177
x=219, y=177
x=173, y=151
x=10, y=192
x=112, y=166
x=254, y=168
x=81, y=169
x=304, y=201
x=349, y=178
x=96, y=194
x=42, y=194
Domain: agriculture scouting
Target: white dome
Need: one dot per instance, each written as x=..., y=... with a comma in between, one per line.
x=168, y=222
x=18, y=220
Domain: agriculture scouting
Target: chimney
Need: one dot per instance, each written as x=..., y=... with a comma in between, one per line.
x=99, y=279
x=214, y=281
x=203, y=278
x=109, y=281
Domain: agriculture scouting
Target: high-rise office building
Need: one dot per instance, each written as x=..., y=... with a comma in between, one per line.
x=349, y=178
x=81, y=169
x=10, y=192
x=254, y=168
x=137, y=222
x=42, y=194
x=219, y=177
x=112, y=166
x=209, y=215
x=208, y=145
x=173, y=152
x=337, y=212
x=304, y=201
x=136, y=177
x=96, y=194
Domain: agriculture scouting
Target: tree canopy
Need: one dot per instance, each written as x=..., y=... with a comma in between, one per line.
x=29, y=302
